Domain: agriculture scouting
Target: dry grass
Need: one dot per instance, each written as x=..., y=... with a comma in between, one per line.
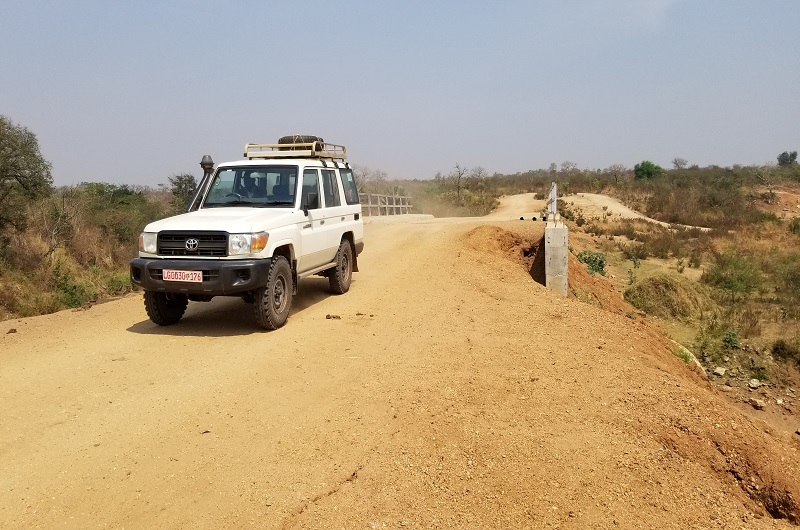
x=670, y=295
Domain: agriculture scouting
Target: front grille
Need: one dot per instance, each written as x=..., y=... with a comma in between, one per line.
x=211, y=244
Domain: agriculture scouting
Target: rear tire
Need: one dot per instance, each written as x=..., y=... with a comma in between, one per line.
x=165, y=309
x=340, y=276
x=272, y=302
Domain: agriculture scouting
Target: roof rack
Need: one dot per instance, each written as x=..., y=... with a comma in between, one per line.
x=296, y=150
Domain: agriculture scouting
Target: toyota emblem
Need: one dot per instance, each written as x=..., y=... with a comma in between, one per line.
x=191, y=244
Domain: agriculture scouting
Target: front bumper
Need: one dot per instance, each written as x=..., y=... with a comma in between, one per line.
x=219, y=277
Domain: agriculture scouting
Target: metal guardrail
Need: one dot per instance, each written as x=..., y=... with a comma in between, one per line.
x=376, y=204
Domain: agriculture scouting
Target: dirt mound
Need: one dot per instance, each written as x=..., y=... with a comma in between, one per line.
x=670, y=296
x=595, y=289
x=516, y=245
x=525, y=246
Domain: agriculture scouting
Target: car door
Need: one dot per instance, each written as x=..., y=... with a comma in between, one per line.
x=313, y=237
x=334, y=212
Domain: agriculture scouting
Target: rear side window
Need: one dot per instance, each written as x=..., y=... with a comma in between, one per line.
x=349, y=186
x=330, y=188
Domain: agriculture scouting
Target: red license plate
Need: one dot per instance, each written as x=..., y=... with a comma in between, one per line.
x=170, y=275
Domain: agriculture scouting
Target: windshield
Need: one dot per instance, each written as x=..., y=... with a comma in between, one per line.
x=258, y=186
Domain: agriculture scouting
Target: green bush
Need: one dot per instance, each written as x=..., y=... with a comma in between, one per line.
x=118, y=283
x=70, y=292
x=595, y=261
x=730, y=340
x=734, y=273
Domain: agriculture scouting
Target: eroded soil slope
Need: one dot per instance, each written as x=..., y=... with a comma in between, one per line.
x=452, y=392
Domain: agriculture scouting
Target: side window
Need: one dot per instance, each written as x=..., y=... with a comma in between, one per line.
x=310, y=189
x=349, y=186
x=331, y=188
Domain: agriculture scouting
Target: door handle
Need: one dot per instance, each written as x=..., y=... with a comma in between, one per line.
x=322, y=222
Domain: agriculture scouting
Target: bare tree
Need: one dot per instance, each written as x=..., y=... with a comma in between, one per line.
x=458, y=176
x=370, y=180
x=766, y=175
x=57, y=224
x=679, y=163
x=568, y=167
x=618, y=171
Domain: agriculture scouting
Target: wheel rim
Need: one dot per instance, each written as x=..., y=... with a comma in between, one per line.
x=279, y=294
x=345, y=267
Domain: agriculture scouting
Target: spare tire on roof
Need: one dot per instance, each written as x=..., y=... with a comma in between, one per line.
x=298, y=139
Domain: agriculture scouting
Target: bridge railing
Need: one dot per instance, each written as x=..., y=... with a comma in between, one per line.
x=376, y=204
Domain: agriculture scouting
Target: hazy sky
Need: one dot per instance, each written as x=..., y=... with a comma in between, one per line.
x=135, y=92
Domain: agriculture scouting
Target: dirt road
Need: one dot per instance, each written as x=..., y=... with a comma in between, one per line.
x=594, y=205
x=452, y=392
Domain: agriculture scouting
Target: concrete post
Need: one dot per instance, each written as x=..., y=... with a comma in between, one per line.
x=556, y=256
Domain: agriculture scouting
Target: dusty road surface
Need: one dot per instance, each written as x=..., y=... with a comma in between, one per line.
x=451, y=391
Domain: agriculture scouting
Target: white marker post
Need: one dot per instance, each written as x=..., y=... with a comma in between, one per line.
x=556, y=247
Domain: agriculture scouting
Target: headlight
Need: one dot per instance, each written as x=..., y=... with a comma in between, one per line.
x=247, y=243
x=148, y=242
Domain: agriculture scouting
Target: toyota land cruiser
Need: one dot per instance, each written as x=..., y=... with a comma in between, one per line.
x=254, y=228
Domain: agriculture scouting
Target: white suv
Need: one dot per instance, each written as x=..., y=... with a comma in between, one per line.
x=254, y=228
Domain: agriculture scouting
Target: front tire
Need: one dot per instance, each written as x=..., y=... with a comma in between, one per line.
x=165, y=309
x=340, y=276
x=272, y=302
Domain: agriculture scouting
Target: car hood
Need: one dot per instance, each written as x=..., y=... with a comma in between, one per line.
x=234, y=220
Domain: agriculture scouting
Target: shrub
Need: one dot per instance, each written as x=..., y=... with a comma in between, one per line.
x=594, y=229
x=669, y=296
x=118, y=283
x=595, y=261
x=70, y=292
x=734, y=273
x=625, y=229
x=785, y=351
x=787, y=278
x=646, y=170
x=794, y=226
x=634, y=252
x=730, y=340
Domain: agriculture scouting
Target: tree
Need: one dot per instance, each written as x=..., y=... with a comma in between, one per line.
x=182, y=187
x=476, y=178
x=617, y=171
x=568, y=167
x=458, y=176
x=787, y=159
x=646, y=170
x=733, y=272
x=679, y=163
x=24, y=173
x=766, y=175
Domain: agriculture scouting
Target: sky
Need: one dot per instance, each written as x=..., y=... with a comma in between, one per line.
x=137, y=92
